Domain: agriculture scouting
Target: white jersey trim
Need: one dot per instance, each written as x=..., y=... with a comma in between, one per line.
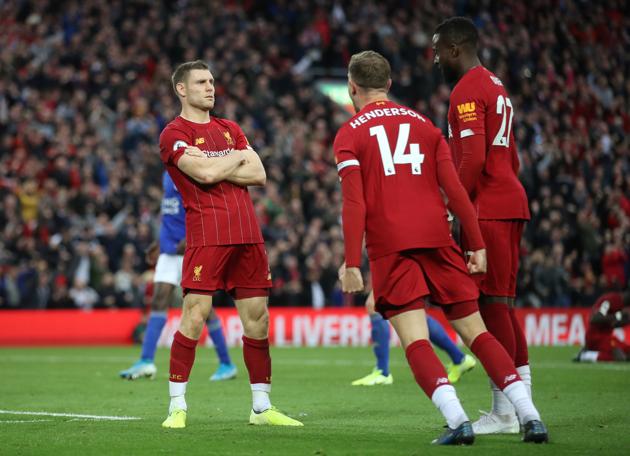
x=346, y=163
x=466, y=133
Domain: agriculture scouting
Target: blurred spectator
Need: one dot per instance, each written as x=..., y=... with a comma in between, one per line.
x=85, y=91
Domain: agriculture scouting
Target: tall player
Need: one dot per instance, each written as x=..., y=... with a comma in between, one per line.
x=380, y=375
x=168, y=274
x=212, y=163
x=482, y=142
x=610, y=311
x=392, y=163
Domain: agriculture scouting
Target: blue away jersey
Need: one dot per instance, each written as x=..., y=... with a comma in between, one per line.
x=173, y=227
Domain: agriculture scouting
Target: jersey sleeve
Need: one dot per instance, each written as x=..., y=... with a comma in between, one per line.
x=469, y=109
x=458, y=201
x=345, y=154
x=173, y=142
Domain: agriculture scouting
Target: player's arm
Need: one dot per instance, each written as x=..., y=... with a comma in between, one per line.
x=460, y=205
x=209, y=170
x=252, y=172
x=472, y=134
x=473, y=161
x=353, y=215
x=353, y=210
x=175, y=151
x=604, y=317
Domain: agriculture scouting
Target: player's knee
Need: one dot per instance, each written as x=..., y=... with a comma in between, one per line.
x=160, y=302
x=192, y=323
x=256, y=324
x=469, y=327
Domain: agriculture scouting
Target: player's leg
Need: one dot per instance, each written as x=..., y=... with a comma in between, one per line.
x=445, y=267
x=498, y=288
x=495, y=312
x=226, y=369
x=167, y=276
x=380, y=344
x=411, y=327
x=521, y=352
x=460, y=362
x=399, y=290
x=498, y=365
x=249, y=281
x=255, y=318
x=195, y=311
x=619, y=349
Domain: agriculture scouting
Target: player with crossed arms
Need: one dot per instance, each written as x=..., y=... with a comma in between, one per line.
x=392, y=163
x=212, y=163
x=168, y=275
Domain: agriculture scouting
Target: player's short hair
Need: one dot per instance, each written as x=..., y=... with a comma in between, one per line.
x=370, y=70
x=181, y=72
x=458, y=30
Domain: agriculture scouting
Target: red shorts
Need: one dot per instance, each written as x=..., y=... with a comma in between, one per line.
x=503, y=244
x=226, y=267
x=402, y=280
x=605, y=343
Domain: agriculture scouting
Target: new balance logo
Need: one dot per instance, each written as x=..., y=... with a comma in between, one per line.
x=441, y=381
x=509, y=378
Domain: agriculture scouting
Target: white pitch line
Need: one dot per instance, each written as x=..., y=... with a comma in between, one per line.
x=22, y=421
x=72, y=415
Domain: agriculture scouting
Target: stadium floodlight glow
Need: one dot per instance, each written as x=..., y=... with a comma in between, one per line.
x=337, y=91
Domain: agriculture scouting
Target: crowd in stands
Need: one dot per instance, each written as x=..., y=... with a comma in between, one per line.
x=85, y=91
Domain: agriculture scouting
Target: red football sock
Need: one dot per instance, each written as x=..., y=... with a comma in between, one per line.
x=495, y=360
x=426, y=366
x=496, y=316
x=521, y=356
x=182, y=357
x=257, y=360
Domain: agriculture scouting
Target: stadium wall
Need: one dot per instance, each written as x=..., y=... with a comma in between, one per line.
x=289, y=327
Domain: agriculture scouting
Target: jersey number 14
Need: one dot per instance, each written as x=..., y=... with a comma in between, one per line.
x=413, y=158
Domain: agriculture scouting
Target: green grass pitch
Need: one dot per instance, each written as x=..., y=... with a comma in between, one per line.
x=586, y=407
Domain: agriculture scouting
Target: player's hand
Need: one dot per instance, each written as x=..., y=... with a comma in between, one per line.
x=477, y=262
x=194, y=151
x=352, y=280
x=151, y=253
x=181, y=247
x=342, y=270
x=369, y=303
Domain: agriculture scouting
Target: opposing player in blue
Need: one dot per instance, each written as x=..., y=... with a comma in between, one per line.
x=168, y=275
x=459, y=365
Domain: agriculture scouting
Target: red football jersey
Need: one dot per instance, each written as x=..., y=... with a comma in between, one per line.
x=479, y=105
x=607, y=304
x=397, y=151
x=216, y=214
